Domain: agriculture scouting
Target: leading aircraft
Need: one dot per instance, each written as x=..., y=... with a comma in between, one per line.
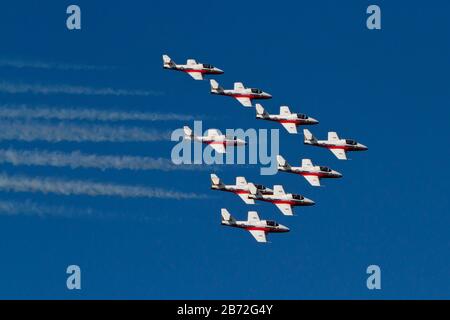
x=242, y=94
x=283, y=201
x=240, y=188
x=286, y=118
x=337, y=146
x=257, y=227
x=214, y=138
x=311, y=173
x=193, y=68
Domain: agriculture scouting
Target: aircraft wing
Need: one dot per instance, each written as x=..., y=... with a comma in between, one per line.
x=245, y=198
x=259, y=235
x=290, y=127
x=332, y=136
x=219, y=147
x=339, y=153
x=313, y=180
x=246, y=102
x=213, y=133
x=195, y=75
x=284, y=111
x=286, y=209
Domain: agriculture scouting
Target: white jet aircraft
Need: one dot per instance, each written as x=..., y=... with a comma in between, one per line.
x=283, y=201
x=242, y=94
x=312, y=173
x=214, y=138
x=193, y=68
x=337, y=146
x=288, y=120
x=258, y=228
x=240, y=188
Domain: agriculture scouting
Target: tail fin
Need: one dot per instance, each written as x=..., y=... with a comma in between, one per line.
x=309, y=136
x=282, y=162
x=168, y=63
x=215, y=180
x=215, y=86
x=260, y=111
x=188, y=134
x=226, y=216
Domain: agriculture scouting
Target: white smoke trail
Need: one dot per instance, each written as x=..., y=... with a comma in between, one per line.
x=76, y=159
x=14, y=88
x=15, y=63
x=47, y=113
x=78, y=187
x=28, y=207
x=33, y=131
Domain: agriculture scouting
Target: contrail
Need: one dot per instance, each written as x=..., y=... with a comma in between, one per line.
x=15, y=63
x=43, y=112
x=14, y=88
x=80, y=187
x=33, y=131
x=76, y=159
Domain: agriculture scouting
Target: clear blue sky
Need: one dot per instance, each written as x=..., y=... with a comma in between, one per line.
x=389, y=89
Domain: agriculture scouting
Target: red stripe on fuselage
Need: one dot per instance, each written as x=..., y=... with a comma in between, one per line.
x=290, y=121
x=250, y=96
x=316, y=174
x=215, y=142
x=202, y=71
x=258, y=229
x=292, y=203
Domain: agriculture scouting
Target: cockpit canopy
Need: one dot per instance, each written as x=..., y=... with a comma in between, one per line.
x=298, y=197
x=272, y=223
x=325, y=169
x=350, y=141
x=258, y=91
x=302, y=116
x=208, y=66
x=260, y=187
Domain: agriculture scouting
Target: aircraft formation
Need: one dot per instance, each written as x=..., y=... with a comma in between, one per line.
x=251, y=192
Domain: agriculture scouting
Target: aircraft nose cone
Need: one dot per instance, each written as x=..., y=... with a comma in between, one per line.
x=363, y=147
x=309, y=202
x=313, y=121
x=219, y=70
x=338, y=174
